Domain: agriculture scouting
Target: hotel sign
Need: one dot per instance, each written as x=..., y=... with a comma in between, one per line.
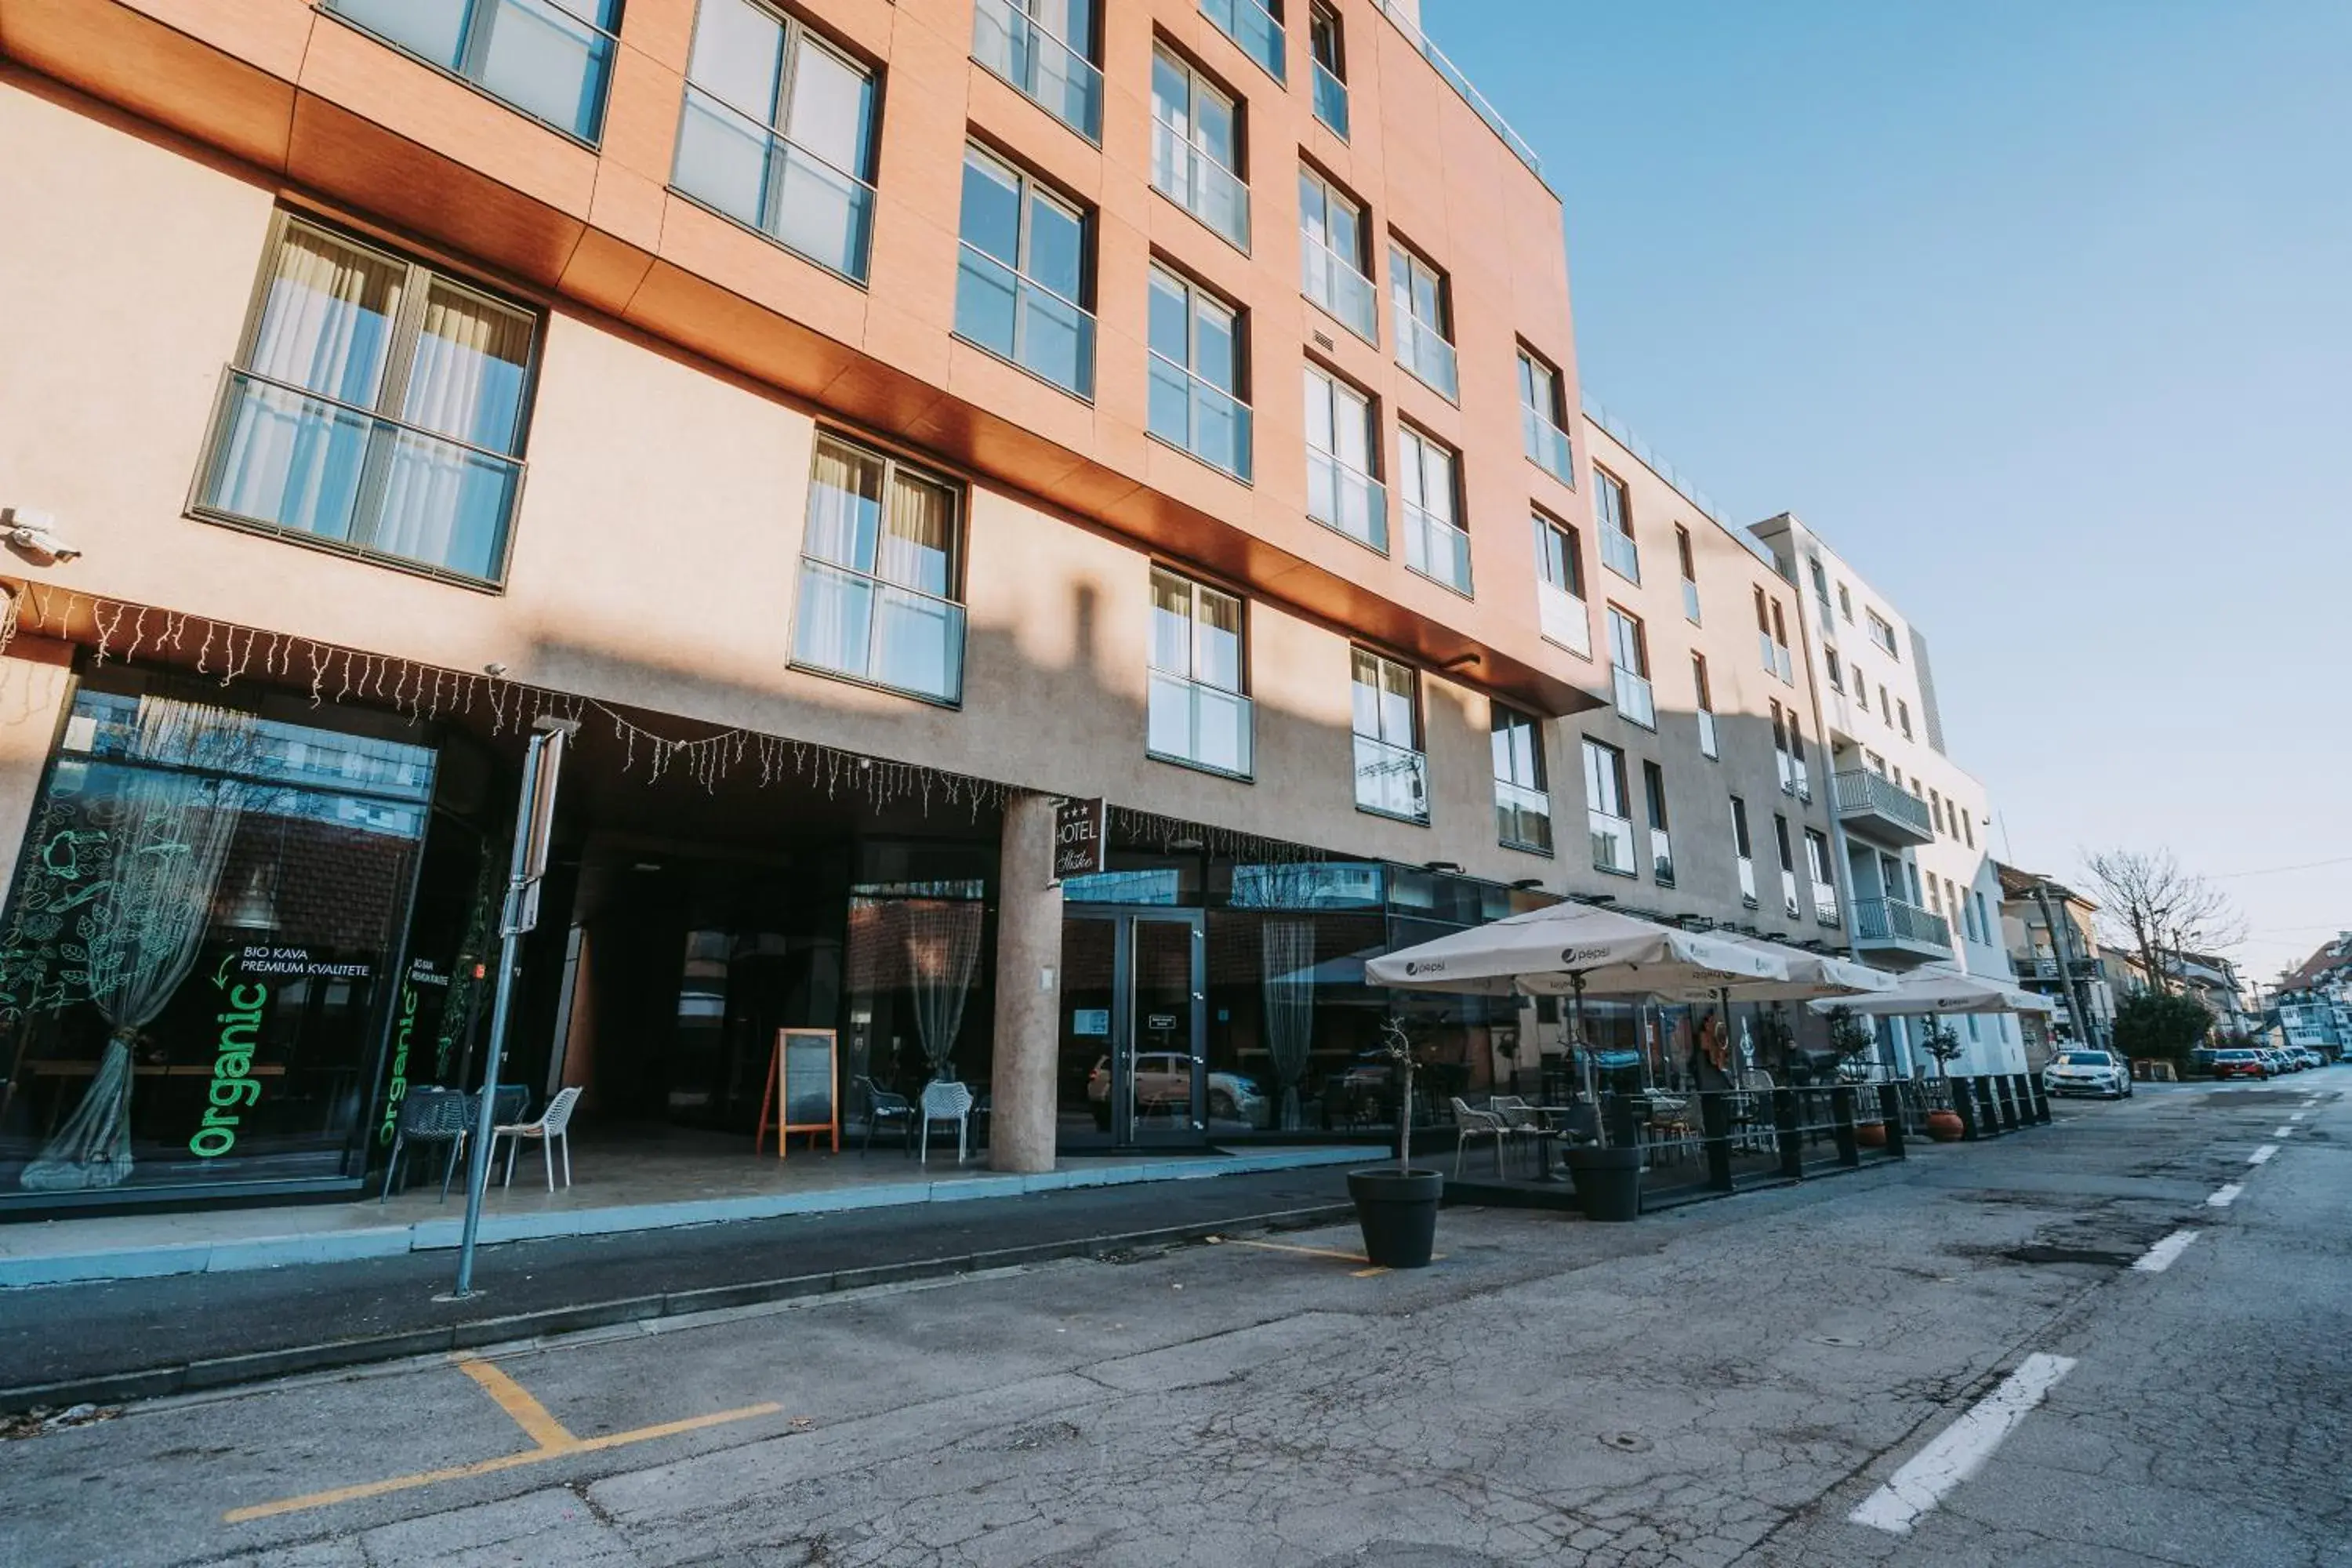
x=1078, y=837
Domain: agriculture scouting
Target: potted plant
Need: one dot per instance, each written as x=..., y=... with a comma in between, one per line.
x=1942, y=1042
x=1851, y=1039
x=1397, y=1208
x=1608, y=1180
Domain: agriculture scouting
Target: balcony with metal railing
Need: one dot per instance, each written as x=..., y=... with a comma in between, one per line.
x=1330, y=100
x=1876, y=806
x=1619, y=553
x=1347, y=500
x=1437, y=549
x=1391, y=781
x=1199, y=416
x=1189, y=177
x=1253, y=27
x=1018, y=319
x=1563, y=617
x=1547, y=445
x=1635, y=700
x=1200, y=724
x=1422, y=350
x=1889, y=927
x=1522, y=817
x=882, y=633
x=1047, y=69
x=546, y=58
x=1334, y=283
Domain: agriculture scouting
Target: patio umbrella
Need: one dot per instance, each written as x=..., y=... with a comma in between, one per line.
x=1576, y=947
x=1936, y=990
x=1811, y=976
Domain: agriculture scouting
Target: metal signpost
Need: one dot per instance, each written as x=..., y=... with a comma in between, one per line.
x=534, y=822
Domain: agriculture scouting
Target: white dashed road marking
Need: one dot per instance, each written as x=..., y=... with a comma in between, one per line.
x=2262, y=1156
x=2158, y=1258
x=2297, y=1116
x=2224, y=1197
x=1960, y=1450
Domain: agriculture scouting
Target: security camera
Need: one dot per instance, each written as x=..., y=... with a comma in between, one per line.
x=34, y=536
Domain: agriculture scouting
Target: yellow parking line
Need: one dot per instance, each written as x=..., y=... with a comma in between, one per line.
x=1376, y=1270
x=549, y=1436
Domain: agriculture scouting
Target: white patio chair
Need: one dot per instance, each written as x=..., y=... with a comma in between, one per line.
x=550, y=1129
x=946, y=1100
x=1478, y=1124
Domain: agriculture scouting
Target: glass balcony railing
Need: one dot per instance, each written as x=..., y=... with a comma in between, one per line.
x=736, y=166
x=551, y=60
x=1437, y=549
x=1785, y=770
x=1563, y=617
x=1707, y=742
x=1422, y=350
x=1825, y=904
x=1619, y=553
x=1055, y=76
x=1253, y=27
x=1200, y=184
x=1789, y=895
x=1026, y=322
x=1207, y=421
x=1546, y=446
x=1330, y=100
x=1612, y=842
x=1522, y=816
x=1205, y=726
x=1391, y=780
x=1332, y=281
x=1634, y=700
x=1893, y=920
x=1764, y=650
x=1801, y=781
x=1340, y=497
x=879, y=632
x=1690, y=601
x=293, y=461
x=1662, y=858
x=1748, y=881
x=1783, y=665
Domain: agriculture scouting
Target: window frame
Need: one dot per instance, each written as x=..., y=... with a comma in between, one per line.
x=1418, y=745
x=1543, y=393
x=1340, y=390
x=1195, y=590
x=1406, y=264
x=478, y=31
x=1198, y=78
x=1455, y=499
x=1604, y=774
x=401, y=332
x=959, y=493
x=1028, y=185
x=1617, y=520
x=1502, y=718
x=1334, y=197
x=1194, y=292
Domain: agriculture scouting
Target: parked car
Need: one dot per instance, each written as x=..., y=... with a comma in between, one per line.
x=2309, y=1058
x=2240, y=1064
x=2087, y=1072
x=2201, y=1060
x=2281, y=1062
x=1163, y=1087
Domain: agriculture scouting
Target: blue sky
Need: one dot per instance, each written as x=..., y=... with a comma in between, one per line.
x=2041, y=313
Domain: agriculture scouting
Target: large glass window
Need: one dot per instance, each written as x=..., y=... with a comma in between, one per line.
x=1559, y=587
x=1200, y=713
x=1522, y=806
x=1428, y=482
x=1605, y=808
x=1662, y=845
x=1047, y=49
x=1424, y=323
x=377, y=406
x=1391, y=774
x=1543, y=413
x=1022, y=274
x=1196, y=375
x=881, y=574
x=1196, y=148
x=1343, y=433
x=1615, y=514
x=1745, y=849
x=193, y=970
x=779, y=134
x=1326, y=44
x=1629, y=660
x=1334, y=261
x=1703, y=698
x=1824, y=882
x=552, y=60
x=1256, y=26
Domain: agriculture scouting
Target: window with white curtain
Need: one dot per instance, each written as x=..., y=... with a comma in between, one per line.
x=552, y=60
x=1198, y=713
x=1196, y=147
x=376, y=406
x=778, y=133
x=880, y=582
x=1392, y=773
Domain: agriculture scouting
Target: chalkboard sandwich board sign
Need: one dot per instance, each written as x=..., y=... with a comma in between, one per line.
x=800, y=1096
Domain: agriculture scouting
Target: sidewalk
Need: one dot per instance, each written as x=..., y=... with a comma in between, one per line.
x=140, y=1338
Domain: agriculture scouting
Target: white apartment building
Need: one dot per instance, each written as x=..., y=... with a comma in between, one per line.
x=1911, y=826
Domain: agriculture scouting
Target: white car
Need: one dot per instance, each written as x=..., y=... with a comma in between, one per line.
x=2087, y=1072
x=1163, y=1087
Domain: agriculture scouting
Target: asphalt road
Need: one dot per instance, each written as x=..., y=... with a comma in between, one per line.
x=2000, y=1353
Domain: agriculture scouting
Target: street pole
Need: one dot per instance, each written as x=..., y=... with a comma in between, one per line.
x=534, y=818
x=2076, y=993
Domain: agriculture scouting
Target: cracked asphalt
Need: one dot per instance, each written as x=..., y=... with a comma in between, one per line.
x=1724, y=1383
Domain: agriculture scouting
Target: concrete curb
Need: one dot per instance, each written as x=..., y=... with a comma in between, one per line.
x=225, y=1371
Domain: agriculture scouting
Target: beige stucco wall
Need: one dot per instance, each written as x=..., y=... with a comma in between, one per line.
x=655, y=553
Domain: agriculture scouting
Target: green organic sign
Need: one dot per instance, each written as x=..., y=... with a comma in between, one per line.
x=234, y=1087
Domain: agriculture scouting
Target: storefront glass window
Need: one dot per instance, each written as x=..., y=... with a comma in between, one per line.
x=191, y=966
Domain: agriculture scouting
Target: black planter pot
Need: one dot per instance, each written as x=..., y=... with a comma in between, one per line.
x=1608, y=1182
x=1398, y=1211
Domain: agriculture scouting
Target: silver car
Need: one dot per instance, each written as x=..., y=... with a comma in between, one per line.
x=2087, y=1072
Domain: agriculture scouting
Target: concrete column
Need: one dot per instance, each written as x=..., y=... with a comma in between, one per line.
x=33, y=676
x=1022, y=1110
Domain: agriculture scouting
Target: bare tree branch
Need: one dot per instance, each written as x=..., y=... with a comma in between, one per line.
x=2159, y=911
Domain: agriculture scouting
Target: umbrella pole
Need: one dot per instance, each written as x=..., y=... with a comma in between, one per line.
x=1584, y=1050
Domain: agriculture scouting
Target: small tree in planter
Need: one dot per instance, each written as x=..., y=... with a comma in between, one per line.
x=1851, y=1040
x=1397, y=1206
x=1941, y=1041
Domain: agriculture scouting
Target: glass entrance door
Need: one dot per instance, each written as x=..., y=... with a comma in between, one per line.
x=1133, y=1028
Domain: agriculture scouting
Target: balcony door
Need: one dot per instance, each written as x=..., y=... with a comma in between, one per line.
x=1134, y=1029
